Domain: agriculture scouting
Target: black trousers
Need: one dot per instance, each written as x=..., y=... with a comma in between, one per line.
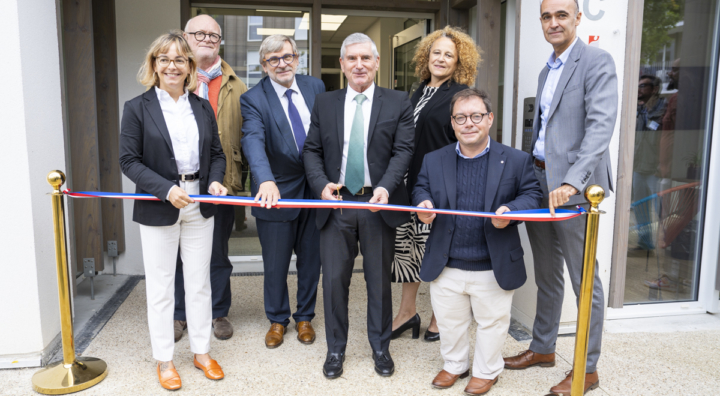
x=220, y=268
x=278, y=240
x=338, y=250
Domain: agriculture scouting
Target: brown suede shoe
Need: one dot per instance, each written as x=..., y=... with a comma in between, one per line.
x=479, y=386
x=592, y=381
x=274, y=336
x=445, y=380
x=529, y=358
x=306, y=334
x=179, y=326
x=223, y=330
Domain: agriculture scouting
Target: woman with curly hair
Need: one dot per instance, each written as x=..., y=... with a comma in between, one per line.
x=446, y=61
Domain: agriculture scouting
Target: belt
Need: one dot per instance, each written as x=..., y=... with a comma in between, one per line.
x=189, y=177
x=539, y=164
x=362, y=191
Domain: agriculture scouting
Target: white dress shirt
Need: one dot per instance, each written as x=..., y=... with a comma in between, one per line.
x=183, y=129
x=298, y=101
x=556, y=66
x=350, y=106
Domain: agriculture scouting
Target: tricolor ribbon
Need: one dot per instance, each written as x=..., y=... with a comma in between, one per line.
x=522, y=215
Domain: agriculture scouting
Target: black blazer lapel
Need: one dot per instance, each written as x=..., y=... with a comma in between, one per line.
x=276, y=109
x=449, y=165
x=496, y=165
x=152, y=104
x=197, y=108
x=374, y=112
x=340, y=114
x=442, y=91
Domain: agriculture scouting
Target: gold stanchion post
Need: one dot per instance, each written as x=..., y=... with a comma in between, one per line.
x=73, y=373
x=594, y=194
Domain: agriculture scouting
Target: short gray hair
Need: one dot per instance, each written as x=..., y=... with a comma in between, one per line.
x=358, y=38
x=577, y=7
x=275, y=43
x=187, y=24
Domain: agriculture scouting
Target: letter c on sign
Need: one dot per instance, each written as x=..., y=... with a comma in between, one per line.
x=592, y=17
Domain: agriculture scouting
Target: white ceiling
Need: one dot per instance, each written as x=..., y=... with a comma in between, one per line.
x=352, y=24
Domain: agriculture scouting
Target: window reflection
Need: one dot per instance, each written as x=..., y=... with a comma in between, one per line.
x=677, y=69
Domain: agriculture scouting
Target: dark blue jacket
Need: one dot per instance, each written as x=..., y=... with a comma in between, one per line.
x=511, y=182
x=269, y=143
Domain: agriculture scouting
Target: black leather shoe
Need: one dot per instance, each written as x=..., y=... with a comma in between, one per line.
x=333, y=367
x=384, y=364
x=412, y=323
x=431, y=336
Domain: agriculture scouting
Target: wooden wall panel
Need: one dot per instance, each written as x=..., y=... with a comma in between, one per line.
x=78, y=53
x=488, y=38
x=108, y=119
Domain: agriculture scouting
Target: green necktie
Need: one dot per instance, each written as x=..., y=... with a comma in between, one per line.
x=355, y=166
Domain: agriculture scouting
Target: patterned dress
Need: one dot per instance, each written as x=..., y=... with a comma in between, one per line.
x=410, y=237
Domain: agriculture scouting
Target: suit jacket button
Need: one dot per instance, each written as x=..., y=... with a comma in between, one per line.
x=449, y=231
x=445, y=255
x=338, y=168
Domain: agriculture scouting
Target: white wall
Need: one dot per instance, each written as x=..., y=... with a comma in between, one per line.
x=380, y=32
x=609, y=21
x=33, y=145
x=139, y=22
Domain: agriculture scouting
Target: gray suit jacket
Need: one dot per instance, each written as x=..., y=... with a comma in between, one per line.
x=581, y=121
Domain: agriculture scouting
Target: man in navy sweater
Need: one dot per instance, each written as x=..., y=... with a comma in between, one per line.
x=474, y=263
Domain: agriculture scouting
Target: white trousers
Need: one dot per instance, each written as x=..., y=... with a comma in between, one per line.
x=456, y=297
x=193, y=234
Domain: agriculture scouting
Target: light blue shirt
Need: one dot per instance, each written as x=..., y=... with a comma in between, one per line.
x=556, y=66
x=457, y=150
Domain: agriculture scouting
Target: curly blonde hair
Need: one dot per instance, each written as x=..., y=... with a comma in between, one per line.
x=467, y=52
x=147, y=76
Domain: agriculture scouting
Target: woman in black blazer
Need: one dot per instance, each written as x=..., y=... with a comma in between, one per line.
x=170, y=148
x=446, y=60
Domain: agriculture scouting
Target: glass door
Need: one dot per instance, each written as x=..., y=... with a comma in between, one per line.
x=404, y=43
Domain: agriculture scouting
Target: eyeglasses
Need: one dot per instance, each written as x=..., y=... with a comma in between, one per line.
x=275, y=61
x=476, y=118
x=200, y=36
x=164, y=61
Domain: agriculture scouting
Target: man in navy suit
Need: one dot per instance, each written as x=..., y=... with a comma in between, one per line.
x=276, y=118
x=474, y=263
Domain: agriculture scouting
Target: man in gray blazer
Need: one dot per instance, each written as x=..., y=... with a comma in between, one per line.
x=575, y=111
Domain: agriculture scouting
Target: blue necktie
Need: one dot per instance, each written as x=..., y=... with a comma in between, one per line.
x=296, y=121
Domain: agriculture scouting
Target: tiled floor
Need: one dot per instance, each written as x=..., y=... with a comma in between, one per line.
x=639, y=363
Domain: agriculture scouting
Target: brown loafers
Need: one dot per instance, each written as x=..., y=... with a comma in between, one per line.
x=222, y=328
x=212, y=371
x=169, y=379
x=592, y=381
x=479, y=386
x=274, y=336
x=445, y=380
x=528, y=359
x=306, y=334
x=179, y=326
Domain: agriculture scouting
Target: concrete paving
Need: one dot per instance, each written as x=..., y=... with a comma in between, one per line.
x=636, y=363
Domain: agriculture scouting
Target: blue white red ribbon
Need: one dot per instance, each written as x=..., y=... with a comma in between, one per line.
x=522, y=215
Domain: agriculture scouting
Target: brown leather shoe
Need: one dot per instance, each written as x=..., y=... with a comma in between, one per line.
x=169, y=379
x=479, y=386
x=529, y=358
x=445, y=380
x=592, y=381
x=274, y=336
x=306, y=334
x=223, y=330
x=212, y=370
x=179, y=326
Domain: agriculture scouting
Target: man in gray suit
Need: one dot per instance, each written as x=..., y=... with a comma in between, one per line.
x=575, y=111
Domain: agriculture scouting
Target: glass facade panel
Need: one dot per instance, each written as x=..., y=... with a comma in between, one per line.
x=675, y=102
x=243, y=31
